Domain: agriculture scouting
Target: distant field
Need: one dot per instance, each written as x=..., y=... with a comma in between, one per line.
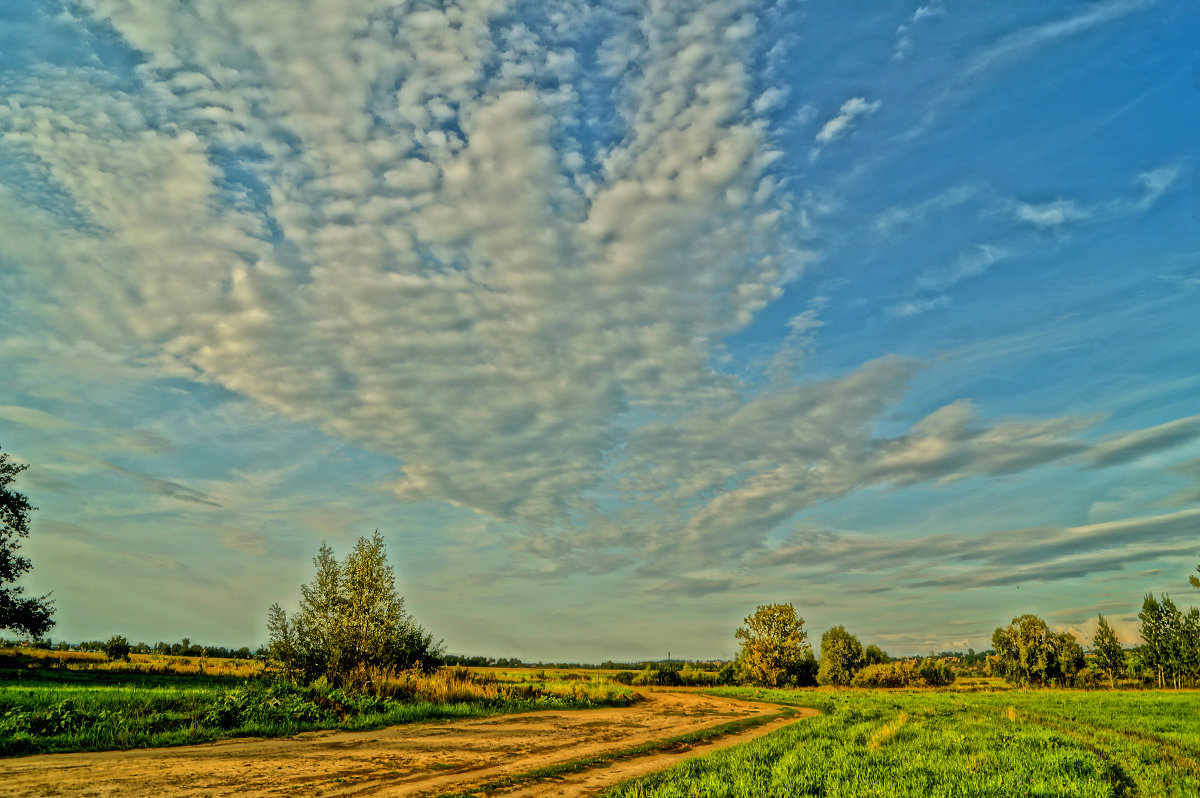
x=33, y=663
x=1016, y=743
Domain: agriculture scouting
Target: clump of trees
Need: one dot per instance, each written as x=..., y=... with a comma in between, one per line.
x=927, y=672
x=1027, y=652
x=29, y=616
x=351, y=624
x=1171, y=653
x=775, y=653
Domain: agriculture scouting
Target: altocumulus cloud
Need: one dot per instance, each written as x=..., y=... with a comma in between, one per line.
x=413, y=229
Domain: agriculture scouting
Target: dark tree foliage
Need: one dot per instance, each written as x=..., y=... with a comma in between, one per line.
x=30, y=616
x=117, y=647
x=874, y=655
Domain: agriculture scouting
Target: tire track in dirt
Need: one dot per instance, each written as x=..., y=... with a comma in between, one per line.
x=411, y=760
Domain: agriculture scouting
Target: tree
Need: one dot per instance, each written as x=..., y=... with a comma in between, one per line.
x=841, y=657
x=117, y=647
x=1110, y=655
x=1066, y=658
x=1029, y=653
x=774, y=647
x=874, y=655
x=350, y=622
x=30, y=616
x=1161, y=622
x=1193, y=581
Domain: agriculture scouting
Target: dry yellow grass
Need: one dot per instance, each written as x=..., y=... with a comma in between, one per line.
x=458, y=684
x=142, y=663
x=886, y=732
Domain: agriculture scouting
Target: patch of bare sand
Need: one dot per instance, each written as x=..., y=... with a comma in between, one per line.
x=417, y=759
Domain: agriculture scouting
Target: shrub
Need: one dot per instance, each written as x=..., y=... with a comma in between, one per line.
x=117, y=647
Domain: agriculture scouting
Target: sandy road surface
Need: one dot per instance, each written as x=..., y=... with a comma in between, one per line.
x=419, y=759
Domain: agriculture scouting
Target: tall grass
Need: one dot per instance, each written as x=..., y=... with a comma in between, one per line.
x=98, y=709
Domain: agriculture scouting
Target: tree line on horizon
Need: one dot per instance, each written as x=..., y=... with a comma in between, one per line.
x=351, y=621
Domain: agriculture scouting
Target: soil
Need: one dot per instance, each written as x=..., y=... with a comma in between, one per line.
x=413, y=760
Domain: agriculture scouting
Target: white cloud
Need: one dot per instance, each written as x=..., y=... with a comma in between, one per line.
x=1154, y=184
x=1012, y=48
x=904, y=38
x=970, y=264
x=415, y=264
x=1034, y=37
x=1128, y=446
x=1049, y=215
x=839, y=125
x=933, y=9
x=425, y=278
x=902, y=217
x=915, y=307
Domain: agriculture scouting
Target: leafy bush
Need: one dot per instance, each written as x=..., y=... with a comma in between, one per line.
x=659, y=675
x=929, y=672
x=117, y=647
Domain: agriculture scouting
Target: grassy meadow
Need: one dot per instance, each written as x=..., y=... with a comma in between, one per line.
x=71, y=701
x=972, y=740
x=954, y=743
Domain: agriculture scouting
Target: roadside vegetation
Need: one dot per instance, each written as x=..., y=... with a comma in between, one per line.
x=94, y=705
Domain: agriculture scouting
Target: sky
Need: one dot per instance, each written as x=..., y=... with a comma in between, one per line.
x=617, y=320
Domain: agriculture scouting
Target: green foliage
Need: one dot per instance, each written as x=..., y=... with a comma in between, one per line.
x=935, y=672
x=774, y=647
x=889, y=674
x=1171, y=653
x=350, y=620
x=1110, y=655
x=658, y=674
x=28, y=616
x=841, y=657
x=929, y=672
x=874, y=655
x=117, y=647
x=1029, y=653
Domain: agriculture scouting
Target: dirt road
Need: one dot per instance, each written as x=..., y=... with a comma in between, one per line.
x=414, y=760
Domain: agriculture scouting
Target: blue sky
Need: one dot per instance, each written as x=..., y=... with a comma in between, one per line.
x=617, y=320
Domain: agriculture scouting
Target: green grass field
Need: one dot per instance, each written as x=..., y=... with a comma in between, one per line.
x=947, y=744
